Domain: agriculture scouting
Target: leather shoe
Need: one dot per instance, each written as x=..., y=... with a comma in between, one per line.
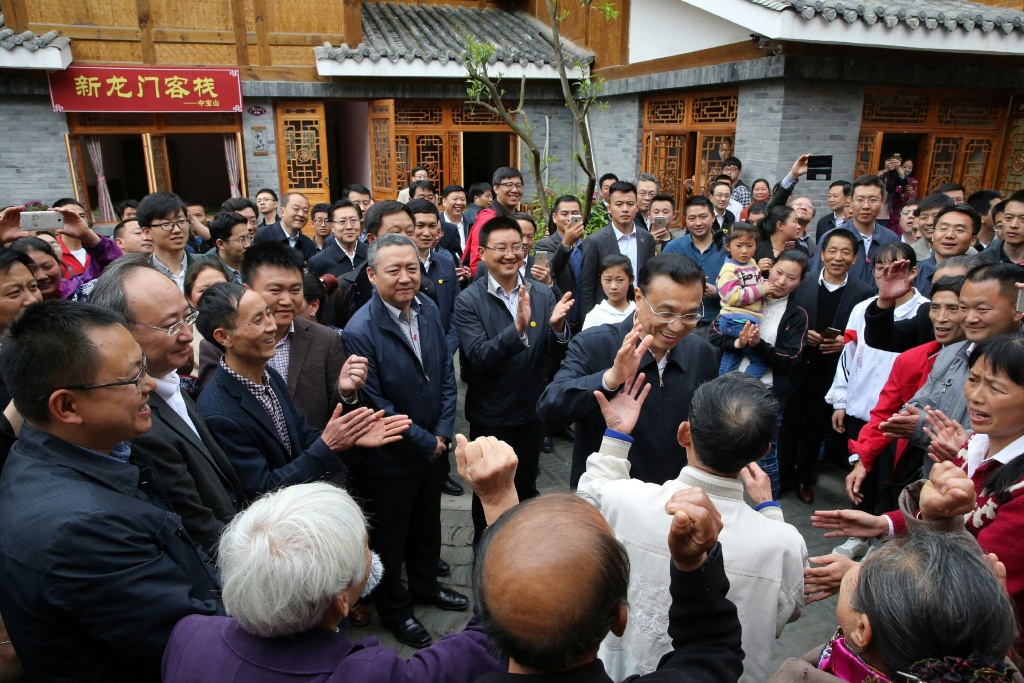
x=568, y=434
x=411, y=632
x=547, y=446
x=443, y=568
x=449, y=600
x=451, y=488
x=805, y=493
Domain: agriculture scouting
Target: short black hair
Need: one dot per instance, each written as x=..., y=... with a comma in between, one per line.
x=342, y=204
x=1006, y=274
x=697, y=200
x=981, y=201
x=422, y=206
x=126, y=204
x=376, y=214
x=839, y=232
x=497, y=223
x=119, y=228
x=223, y=224
x=195, y=202
x=267, y=190
x=448, y=189
x=617, y=261
x=67, y=201
x=503, y=173
x=999, y=208
x=621, y=186
x=218, y=309
x=948, y=283
x=417, y=169
x=321, y=207
x=1005, y=355
x=8, y=257
x=868, y=180
x=895, y=251
x=935, y=200
x=965, y=209
x=29, y=244
x=739, y=229
x=606, y=177
x=477, y=189
x=846, y=186
x=236, y=204
x=741, y=406
x=758, y=207
x=950, y=187
x=422, y=185
x=48, y=347
x=681, y=269
x=796, y=256
x=664, y=197
x=159, y=205
x=272, y=254
x=193, y=272
x=733, y=161
x=358, y=189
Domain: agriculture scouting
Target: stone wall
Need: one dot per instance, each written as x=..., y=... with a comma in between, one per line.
x=33, y=159
x=616, y=132
x=260, y=171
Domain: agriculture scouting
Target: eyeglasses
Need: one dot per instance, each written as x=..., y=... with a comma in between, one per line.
x=167, y=227
x=241, y=239
x=320, y=221
x=513, y=249
x=342, y=222
x=173, y=330
x=511, y=186
x=959, y=232
x=137, y=381
x=669, y=318
x=644, y=194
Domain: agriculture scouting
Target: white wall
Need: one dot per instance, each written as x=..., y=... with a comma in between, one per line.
x=663, y=28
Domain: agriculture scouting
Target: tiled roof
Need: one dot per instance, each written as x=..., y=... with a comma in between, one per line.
x=9, y=40
x=434, y=33
x=927, y=14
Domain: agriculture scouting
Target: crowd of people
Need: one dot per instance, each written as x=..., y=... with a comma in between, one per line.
x=225, y=438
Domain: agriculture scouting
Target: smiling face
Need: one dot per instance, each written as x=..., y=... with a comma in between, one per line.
x=953, y=236
x=454, y=204
x=156, y=301
x=995, y=403
x=252, y=338
x=251, y=217
x=397, y=277
x=48, y=274
x=425, y=232
x=509, y=192
x=760, y=191
x=171, y=241
x=944, y=312
x=838, y=258
x=699, y=220
x=233, y=249
x=295, y=213
x=803, y=209
x=135, y=239
x=562, y=215
x=346, y=226
x=18, y=290
x=281, y=289
x=987, y=311
x=502, y=265
x=665, y=295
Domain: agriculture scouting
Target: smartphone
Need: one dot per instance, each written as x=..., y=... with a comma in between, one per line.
x=660, y=222
x=575, y=220
x=788, y=245
x=831, y=333
x=40, y=221
x=819, y=167
x=1020, y=301
x=541, y=258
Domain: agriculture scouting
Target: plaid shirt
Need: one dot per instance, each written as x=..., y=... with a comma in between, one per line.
x=741, y=193
x=283, y=354
x=264, y=393
x=408, y=324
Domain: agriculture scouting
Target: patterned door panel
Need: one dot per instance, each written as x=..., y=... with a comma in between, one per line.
x=302, y=150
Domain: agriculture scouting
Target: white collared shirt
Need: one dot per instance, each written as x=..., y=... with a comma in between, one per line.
x=461, y=225
x=828, y=285
x=977, y=450
x=627, y=247
x=511, y=301
x=169, y=389
x=179, y=279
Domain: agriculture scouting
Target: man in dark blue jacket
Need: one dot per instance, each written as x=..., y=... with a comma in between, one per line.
x=410, y=371
x=344, y=252
x=288, y=230
x=437, y=265
x=95, y=569
x=512, y=331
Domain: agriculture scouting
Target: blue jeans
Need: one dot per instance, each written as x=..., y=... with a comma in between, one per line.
x=770, y=462
x=731, y=327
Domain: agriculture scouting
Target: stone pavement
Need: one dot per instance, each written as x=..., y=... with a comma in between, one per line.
x=816, y=623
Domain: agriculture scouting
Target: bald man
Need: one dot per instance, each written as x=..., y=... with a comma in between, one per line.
x=550, y=581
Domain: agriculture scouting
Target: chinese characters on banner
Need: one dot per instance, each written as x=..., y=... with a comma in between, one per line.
x=133, y=89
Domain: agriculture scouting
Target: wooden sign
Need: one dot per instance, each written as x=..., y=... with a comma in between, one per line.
x=134, y=89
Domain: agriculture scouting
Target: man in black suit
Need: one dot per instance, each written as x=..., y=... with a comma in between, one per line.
x=200, y=482
x=309, y=357
x=721, y=193
x=344, y=253
x=247, y=406
x=620, y=236
x=565, y=249
x=828, y=296
x=647, y=186
x=838, y=193
x=288, y=230
x=454, y=227
x=229, y=233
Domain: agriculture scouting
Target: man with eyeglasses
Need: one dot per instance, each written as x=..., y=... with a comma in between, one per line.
x=288, y=230
x=321, y=222
x=867, y=194
x=740, y=192
x=646, y=187
x=512, y=332
x=956, y=228
x=95, y=569
x=201, y=485
x=508, y=192
x=230, y=234
x=345, y=253
x=248, y=209
x=165, y=214
x=657, y=342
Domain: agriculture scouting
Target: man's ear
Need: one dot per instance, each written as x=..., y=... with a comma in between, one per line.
x=371, y=276
x=683, y=435
x=619, y=627
x=222, y=337
x=860, y=639
x=64, y=407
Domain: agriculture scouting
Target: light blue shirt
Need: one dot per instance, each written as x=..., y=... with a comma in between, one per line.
x=627, y=247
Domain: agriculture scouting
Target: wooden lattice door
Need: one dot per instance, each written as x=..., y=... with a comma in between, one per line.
x=302, y=150
x=1012, y=168
x=384, y=160
x=158, y=169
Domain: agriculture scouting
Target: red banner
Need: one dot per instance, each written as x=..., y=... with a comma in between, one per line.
x=135, y=89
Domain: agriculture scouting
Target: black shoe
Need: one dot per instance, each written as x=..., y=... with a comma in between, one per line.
x=547, y=446
x=443, y=568
x=451, y=488
x=449, y=600
x=568, y=434
x=805, y=493
x=411, y=632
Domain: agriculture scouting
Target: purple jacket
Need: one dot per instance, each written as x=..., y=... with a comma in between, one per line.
x=217, y=649
x=101, y=254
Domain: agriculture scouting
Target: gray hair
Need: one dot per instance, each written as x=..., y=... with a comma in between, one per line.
x=962, y=261
x=649, y=178
x=110, y=292
x=741, y=406
x=933, y=595
x=392, y=239
x=289, y=555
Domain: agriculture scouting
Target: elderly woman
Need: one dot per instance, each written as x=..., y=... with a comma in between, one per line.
x=293, y=565
x=924, y=608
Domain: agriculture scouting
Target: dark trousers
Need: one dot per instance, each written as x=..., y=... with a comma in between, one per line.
x=525, y=440
x=405, y=526
x=807, y=420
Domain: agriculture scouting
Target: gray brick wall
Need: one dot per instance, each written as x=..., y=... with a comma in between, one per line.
x=33, y=159
x=554, y=132
x=261, y=171
x=616, y=132
x=779, y=120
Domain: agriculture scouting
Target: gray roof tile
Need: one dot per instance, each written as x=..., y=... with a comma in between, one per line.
x=927, y=14
x=438, y=33
x=9, y=40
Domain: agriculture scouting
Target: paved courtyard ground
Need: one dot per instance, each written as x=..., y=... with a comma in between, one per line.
x=816, y=623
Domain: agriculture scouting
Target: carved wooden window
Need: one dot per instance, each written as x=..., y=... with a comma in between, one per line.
x=1012, y=179
x=667, y=154
x=892, y=108
x=475, y=116
x=454, y=158
x=865, y=155
x=302, y=154
x=975, y=158
x=383, y=173
x=665, y=111
x=402, y=165
x=417, y=115
x=964, y=113
x=945, y=158
x=430, y=153
x=89, y=123
x=714, y=150
x=718, y=109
